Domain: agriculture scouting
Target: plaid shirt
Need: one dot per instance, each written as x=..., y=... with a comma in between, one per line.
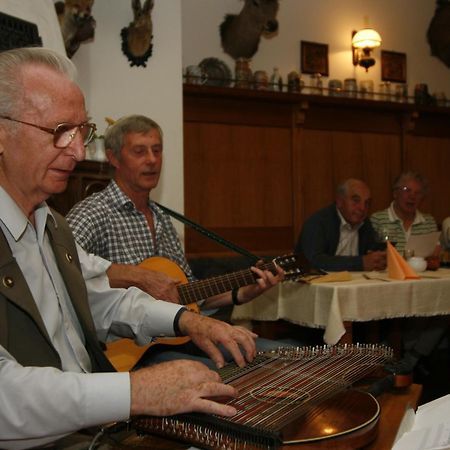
x=108, y=224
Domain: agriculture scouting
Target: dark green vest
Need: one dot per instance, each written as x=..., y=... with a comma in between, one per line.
x=22, y=330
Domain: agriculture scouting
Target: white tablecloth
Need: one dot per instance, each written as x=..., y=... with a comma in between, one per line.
x=329, y=305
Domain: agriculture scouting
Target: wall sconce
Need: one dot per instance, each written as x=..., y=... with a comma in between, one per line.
x=363, y=42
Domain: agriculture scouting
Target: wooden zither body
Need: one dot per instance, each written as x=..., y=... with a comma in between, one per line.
x=291, y=396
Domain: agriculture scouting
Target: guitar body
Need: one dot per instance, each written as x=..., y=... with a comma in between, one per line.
x=124, y=353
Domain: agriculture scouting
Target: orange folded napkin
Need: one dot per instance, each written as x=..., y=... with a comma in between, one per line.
x=332, y=276
x=397, y=267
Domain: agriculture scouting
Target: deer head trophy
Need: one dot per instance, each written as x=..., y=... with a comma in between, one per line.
x=77, y=24
x=240, y=34
x=438, y=33
x=137, y=37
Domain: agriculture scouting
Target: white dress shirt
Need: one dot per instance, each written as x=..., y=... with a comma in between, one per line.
x=348, y=238
x=42, y=404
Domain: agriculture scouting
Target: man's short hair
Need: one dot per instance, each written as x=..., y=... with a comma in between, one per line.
x=343, y=187
x=11, y=61
x=115, y=133
x=411, y=175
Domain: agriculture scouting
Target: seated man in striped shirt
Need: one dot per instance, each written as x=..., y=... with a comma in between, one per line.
x=420, y=335
x=402, y=218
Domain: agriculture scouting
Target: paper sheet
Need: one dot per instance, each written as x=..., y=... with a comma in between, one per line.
x=429, y=429
x=423, y=244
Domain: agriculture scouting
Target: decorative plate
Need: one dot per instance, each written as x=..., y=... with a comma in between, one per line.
x=219, y=74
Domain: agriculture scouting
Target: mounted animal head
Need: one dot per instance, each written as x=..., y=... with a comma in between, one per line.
x=240, y=34
x=438, y=34
x=137, y=37
x=77, y=24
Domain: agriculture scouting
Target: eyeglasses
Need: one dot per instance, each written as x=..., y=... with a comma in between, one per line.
x=64, y=133
x=408, y=190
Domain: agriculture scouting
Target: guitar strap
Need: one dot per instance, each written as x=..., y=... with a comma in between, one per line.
x=209, y=234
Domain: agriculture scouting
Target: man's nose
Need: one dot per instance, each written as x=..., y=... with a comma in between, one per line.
x=77, y=149
x=150, y=157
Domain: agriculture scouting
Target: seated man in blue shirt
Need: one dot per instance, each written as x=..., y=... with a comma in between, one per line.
x=340, y=236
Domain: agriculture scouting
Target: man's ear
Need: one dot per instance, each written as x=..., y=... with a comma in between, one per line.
x=111, y=158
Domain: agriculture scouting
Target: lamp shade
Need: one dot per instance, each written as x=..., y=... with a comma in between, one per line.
x=366, y=38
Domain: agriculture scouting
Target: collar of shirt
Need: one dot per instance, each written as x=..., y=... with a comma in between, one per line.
x=393, y=217
x=15, y=221
x=345, y=225
x=121, y=201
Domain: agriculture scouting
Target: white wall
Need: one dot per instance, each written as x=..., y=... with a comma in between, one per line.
x=113, y=88
x=401, y=23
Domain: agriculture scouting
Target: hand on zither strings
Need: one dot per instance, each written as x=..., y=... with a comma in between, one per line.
x=177, y=387
x=208, y=333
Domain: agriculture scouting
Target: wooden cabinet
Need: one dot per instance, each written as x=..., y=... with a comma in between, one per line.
x=258, y=163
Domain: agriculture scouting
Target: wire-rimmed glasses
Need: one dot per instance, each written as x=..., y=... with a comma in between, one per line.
x=64, y=133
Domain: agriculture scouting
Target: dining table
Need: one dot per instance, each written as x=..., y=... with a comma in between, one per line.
x=357, y=297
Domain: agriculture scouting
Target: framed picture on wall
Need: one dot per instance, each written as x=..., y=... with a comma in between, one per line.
x=393, y=66
x=15, y=33
x=314, y=58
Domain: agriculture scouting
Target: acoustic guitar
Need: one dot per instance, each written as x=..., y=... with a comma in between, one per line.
x=124, y=353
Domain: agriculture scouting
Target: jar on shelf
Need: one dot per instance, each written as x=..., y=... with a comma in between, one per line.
x=261, y=80
x=242, y=73
x=350, y=87
x=294, y=84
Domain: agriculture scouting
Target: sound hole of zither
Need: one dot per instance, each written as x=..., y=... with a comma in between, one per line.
x=280, y=395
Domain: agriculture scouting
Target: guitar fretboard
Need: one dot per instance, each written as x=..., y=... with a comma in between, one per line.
x=199, y=290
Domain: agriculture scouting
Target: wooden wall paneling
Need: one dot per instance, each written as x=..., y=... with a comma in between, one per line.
x=317, y=173
x=297, y=169
x=382, y=164
x=238, y=179
x=431, y=157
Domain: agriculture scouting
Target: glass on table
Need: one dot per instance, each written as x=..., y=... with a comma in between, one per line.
x=382, y=238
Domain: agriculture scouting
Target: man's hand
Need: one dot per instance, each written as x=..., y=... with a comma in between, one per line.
x=157, y=284
x=374, y=260
x=266, y=280
x=177, y=387
x=207, y=333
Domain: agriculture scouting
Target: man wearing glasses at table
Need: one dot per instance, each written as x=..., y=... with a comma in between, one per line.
x=403, y=218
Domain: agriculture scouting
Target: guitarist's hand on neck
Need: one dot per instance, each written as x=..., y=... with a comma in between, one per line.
x=208, y=333
x=265, y=279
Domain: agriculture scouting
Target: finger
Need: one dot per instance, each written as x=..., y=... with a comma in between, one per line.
x=212, y=407
x=243, y=343
x=213, y=352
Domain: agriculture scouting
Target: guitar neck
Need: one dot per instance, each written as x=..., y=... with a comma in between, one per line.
x=199, y=290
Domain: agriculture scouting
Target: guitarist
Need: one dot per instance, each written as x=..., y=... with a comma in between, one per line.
x=123, y=225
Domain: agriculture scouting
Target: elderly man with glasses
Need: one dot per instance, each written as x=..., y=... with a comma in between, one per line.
x=420, y=335
x=403, y=218
x=55, y=300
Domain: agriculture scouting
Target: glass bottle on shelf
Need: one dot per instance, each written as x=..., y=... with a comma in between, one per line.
x=276, y=82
